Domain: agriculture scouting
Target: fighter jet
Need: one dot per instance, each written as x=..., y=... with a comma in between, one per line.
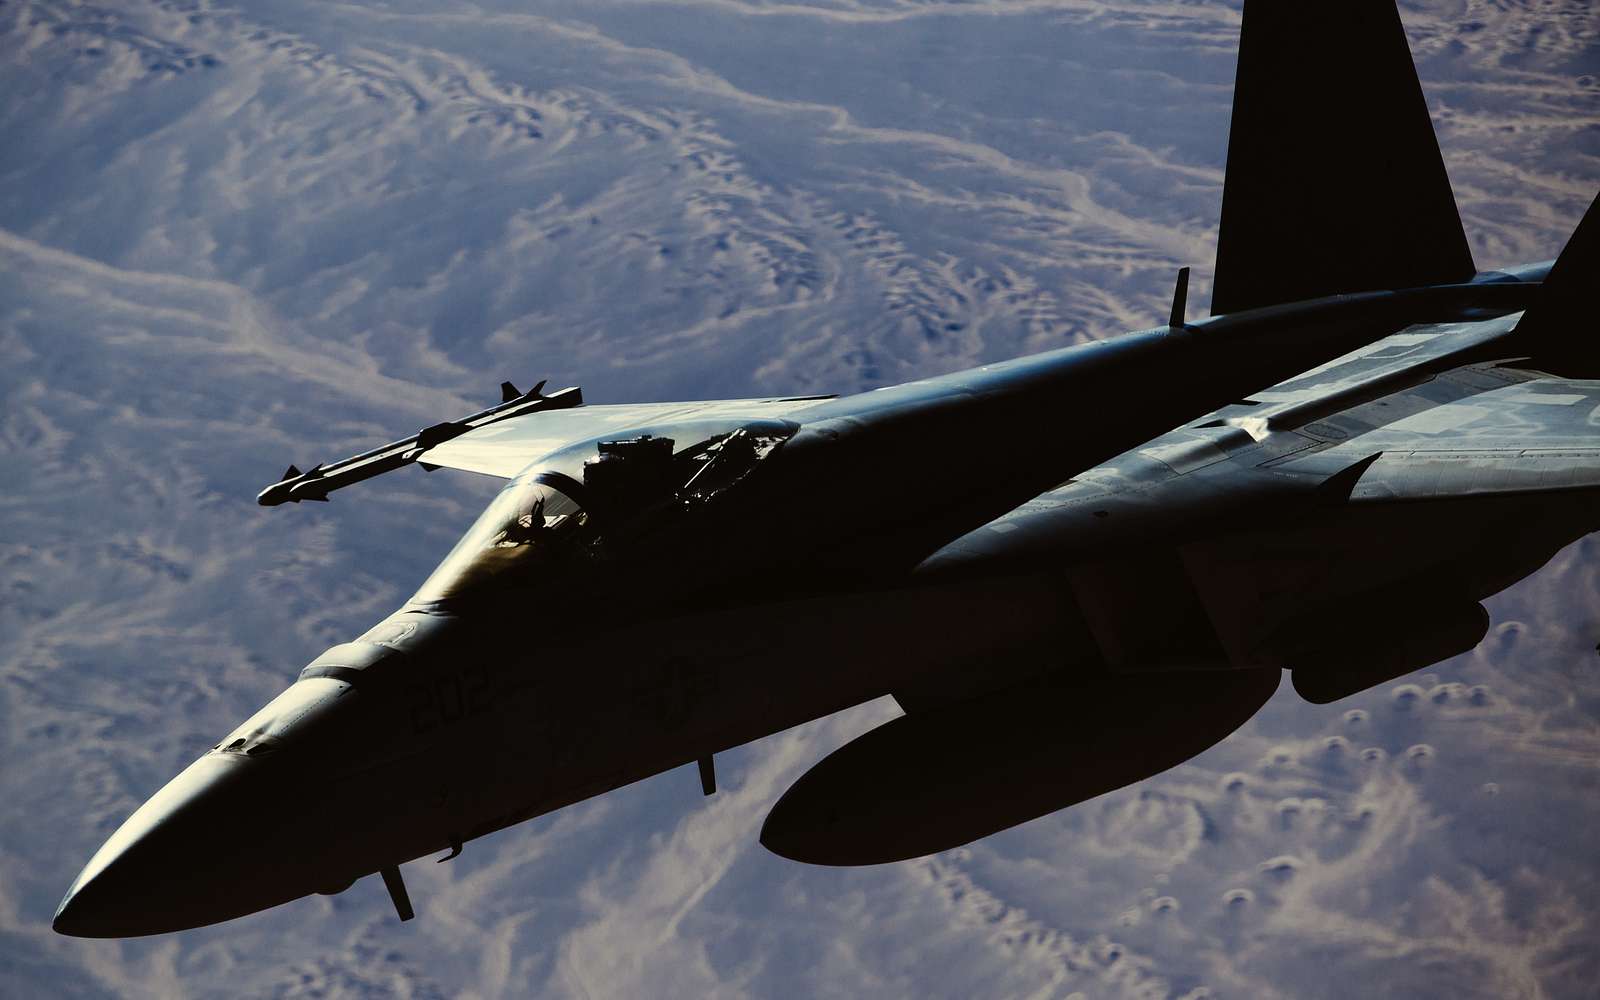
x=1071, y=570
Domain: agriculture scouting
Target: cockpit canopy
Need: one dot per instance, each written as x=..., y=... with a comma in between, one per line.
x=581, y=506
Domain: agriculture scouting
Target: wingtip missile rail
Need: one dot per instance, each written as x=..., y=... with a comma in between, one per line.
x=320, y=480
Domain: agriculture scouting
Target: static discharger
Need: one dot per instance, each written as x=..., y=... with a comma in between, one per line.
x=708, y=775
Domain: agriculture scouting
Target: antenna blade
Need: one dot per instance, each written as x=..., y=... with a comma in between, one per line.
x=1180, y=299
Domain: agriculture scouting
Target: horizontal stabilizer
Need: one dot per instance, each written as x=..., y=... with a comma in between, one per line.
x=1334, y=183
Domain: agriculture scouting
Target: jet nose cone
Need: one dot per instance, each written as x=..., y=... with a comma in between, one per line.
x=75, y=917
x=175, y=863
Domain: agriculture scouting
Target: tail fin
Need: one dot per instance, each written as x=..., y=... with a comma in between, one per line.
x=1335, y=182
x=1561, y=328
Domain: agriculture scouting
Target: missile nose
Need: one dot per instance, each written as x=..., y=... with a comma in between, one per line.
x=173, y=865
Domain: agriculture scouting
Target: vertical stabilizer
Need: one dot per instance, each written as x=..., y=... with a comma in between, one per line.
x=1335, y=182
x=1562, y=328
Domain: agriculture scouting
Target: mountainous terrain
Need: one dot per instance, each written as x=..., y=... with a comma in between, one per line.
x=236, y=237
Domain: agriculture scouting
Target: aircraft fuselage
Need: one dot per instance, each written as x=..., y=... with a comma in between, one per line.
x=784, y=599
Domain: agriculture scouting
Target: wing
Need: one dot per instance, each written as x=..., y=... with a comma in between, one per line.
x=506, y=448
x=525, y=427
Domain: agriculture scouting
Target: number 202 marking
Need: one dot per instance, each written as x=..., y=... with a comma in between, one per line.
x=449, y=698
